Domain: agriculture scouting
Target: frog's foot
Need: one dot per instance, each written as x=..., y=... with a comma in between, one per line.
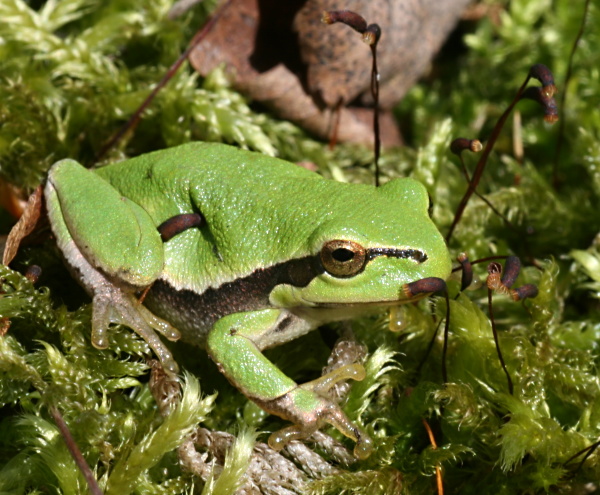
x=309, y=408
x=112, y=305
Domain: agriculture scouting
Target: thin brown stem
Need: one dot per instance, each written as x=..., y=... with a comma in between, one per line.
x=375, y=93
x=75, y=452
x=496, y=341
x=483, y=159
x=336, y=114
x=134, y=120
x=446, y=336
x=588, y=451
x=457, y=147
x=563, y=96
x=429, y=348
x=438, y=468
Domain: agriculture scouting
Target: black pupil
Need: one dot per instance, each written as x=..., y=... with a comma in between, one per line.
x=342, y=254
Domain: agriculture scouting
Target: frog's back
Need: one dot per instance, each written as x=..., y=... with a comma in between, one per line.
x=246, y=198
x=259, y=210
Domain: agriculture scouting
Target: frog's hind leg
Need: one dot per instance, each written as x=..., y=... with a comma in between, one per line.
x=112, y=247
x=116, y=306
x=112, y=304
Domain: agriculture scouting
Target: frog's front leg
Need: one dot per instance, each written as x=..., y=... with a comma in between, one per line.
x=236, y=342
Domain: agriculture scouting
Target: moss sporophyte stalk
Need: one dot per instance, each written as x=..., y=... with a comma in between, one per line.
x=438, y=411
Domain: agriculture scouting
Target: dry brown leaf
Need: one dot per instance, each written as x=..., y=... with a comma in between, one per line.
x=280, y=54
x=24, y=226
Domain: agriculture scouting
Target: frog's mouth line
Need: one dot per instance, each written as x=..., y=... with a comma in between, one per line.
x=374, y=304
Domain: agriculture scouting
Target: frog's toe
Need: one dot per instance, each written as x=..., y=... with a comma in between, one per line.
x=117, y=307
x=279, y=439
x=364, y=447
x=325, y=383
x=99, y=334
x=310, y=411
x=100, y=321
x=158, y=324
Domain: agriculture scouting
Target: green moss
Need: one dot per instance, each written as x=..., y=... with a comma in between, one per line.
x=72, y=71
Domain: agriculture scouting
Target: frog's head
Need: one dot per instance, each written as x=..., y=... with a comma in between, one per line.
x=368, y=247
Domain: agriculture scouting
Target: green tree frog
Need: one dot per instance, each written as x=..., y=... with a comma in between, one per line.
x=239, y=252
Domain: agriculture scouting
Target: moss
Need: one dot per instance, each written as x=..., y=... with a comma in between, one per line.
x=71, y=72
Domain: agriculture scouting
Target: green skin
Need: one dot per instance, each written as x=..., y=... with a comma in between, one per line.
x=253, y=275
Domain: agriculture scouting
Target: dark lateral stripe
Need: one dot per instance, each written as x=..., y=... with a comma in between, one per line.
x=414, y=254
x=249, y=293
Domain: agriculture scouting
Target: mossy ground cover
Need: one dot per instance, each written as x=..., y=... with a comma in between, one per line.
x=72, y=71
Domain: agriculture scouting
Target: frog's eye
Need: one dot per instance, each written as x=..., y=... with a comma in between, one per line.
x=343, y=258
